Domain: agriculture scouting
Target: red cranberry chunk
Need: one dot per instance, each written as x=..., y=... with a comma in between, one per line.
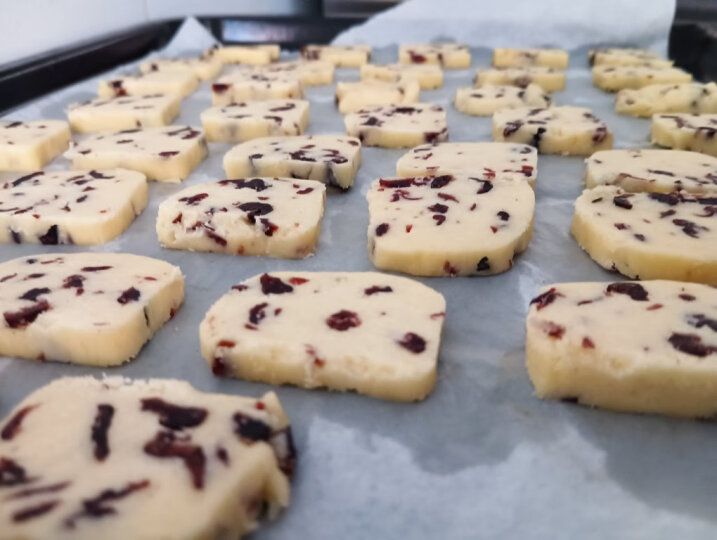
x=382, y=229
x=129, y=295
x=167, y=444
x=274, y=285
x=25, y=316
x=413, y=342
x=257, y=313
x=545, y=299
x=251, y=429
x=99, y=506
x=343, y=320
x=100, y=429
x=377, y=289
x=633, y=290
x=14, y=425
x=173, y=416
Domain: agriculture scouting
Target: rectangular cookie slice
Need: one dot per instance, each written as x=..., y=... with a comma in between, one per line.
x=625, y=57
x=614, y=78
x=398, y=126
x=641, y=347
x=70, y=207
x=484, y=160
x=167, y=154
x=127, y=112
x=428, y=76
x=339, y=55
x=181, y=83
x=448, y=225
x=331, y=159
x=96, y=309
x=202, y=68
x=447, y=55
x=686, y=132
x=272, y=217
x=114, y=458
x=562, y=130
x=695, y=98
x=549, y=79
x=247, y=85
x=554, y=58
x=29, y=146
x=645, y=169
x=373, y=333
x=239, y=122
x=354, y=96
x=245, y=54
x=309, y=72
x=486, y=100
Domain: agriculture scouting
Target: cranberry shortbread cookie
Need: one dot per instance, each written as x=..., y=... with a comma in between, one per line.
x=29, y=146
x=695, y=98
x=486, y=100
x=239, y=122
x=553, y=58
x=182, y=83
x=127, y=112
x=398, y=126
x=686, y=132
x=447, y=55
x=549, y=79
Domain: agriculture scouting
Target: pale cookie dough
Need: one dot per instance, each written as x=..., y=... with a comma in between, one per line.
x=354, y=96
x=625, y=57
x=29, y=146
x=644, y=169
x=695, y=98
x=428, y=76
x=373, y=333
x=448, y=225
x=97, y=309
x=686, y=132
x=644, y=347
x=562, y=130
x=554, y=58
x=549, y=79
x=182, y=83
x=245, y=54
x=331, y=159
x=203, y=68
x=70, y=207
x=614, y=78
x=239, y=122
x=484, y=160
x=486, y=100
x=113, y=458
x=341, y=56
x=309, y=72
x=247, y=85
x=127, y=112
x=402, y=126
x=166, y=154
x=273, y=217
x=448, y=55
x=649, y=235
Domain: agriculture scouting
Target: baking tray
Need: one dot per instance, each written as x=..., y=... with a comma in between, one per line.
x=481, y=457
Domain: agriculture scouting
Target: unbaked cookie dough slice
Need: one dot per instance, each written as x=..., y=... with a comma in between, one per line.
x=614, y=78
x=309, y=72
x=127, y=112
x=182, y=83
x=554, y=58
x=331, y=159
x=166, y=154
x=29, y=146
x=448, y=225
x=202, y=68
x=83, y=459
x=448, y=55
x=428, y=76
x=686, y=132
x=644, y=169
x=247, y=85
x=245, y=54
x=239, y=122
x=625, y=57
x=69, y=207
x=486, y=100
x=403, y=126
x=643, y=347
x=341, y=56
x=373, y=333
x=695, y=98
x=273, y=217
x=562, y=130
x=354, y=96
x=549, y=79
x=483, y=160
x=96, y=309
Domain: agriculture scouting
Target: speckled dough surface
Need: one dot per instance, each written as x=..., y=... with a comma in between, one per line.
x=245, y=54
x=142, y=459
x=695, y=98
x=428, y=76
x=331, y=159
x=167, y=154
x=127, y=112
x=274, y=217
x=202, y=68
x=645, y=169
x=625, y=57
x=70, y=207
x=448, y=225
x=614, y=78
x=182, y=83
x=631, y=347
x=484, y=160
x=686, y=132
x=28, y=146
x=447, y=55
x=562, y=130
x=649, y=235
x=354, y=96
x=85, y=308
x=554, y=58
x=549, y=79
x=373, y=333
x=486, y=100
x=239, y=122
x=341, y=56
x=401, y=126
x=248, y=84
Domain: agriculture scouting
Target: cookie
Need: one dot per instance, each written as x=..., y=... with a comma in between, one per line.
x=398, y=126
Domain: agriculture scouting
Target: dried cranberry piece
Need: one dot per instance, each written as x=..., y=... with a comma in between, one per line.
x=168, y=153
x=254, y=209
x=396, y=182
x=14, y=425
x=438, y=207
x=511, y=127
x=416, y=58
x=305, y=191
x=220, y=88
x=699, y=320
x=503, y=215
x=12, y=474
x=691, y=344
x=440, y=181
x=486, y=185
x=687, y=297
x=483, y=265
x=194, y=199
x=634, y=290
x=16, y=238
x=167, y=444
x=274, y=285
x=32, y=294
x=25, y=178
x=377, y=289
x=622, y=201
x=670, y=199
x=257, y=184
x=216, y=237
x=32, y=512
x=588, y=343
x=98, y=506
x=343, y=320
x=282, y=441
x=50, y=238
x=268, y=227
x=690, y=228
x=25, y=316
x=439, y=218
x=545, y=299
x=95, y=268
x=257, y=313
x=250, y=429
x=100, y=428
x=129, y=295
x=382, y=229
x=173, y=416
x=298, y=280
x=413, y=342
x=372, y=121
x=553, y=330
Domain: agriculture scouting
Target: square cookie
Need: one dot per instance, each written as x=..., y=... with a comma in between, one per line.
x=549, y=79
x=553, y=58
x=353, y=96
x=447, y=55
x=398, y=126
x=181, y=83
x=29, y=146
x=686, y=132
x=248, y=84
x=126, y=112
x=239, y=122
x=486, y=100
x=339, y=55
